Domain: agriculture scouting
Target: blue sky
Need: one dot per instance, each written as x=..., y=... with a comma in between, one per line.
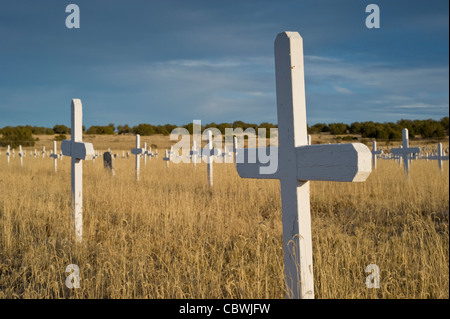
x=172, y=62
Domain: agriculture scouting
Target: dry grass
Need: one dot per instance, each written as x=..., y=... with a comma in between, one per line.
x=170, y=236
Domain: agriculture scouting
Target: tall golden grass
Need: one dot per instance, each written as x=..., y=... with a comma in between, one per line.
x=171, y=236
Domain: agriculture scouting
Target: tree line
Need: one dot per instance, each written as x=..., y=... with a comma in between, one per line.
x=23, y=135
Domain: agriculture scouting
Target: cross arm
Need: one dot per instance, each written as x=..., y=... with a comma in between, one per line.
x=78, y=150
x=401, y=151
x=328, y=162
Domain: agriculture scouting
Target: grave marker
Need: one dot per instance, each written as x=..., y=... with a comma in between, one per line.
x=79, y=151
x=54, y=155
x=440, y=157
x=108, y=163
x=138, y=151
x=298, y=163
x=405, y=151
x=375, y=152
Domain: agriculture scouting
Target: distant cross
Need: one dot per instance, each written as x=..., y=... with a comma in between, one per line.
x=405, y=151
x=145, y=153
x=54, y=155
x=79, y=151
x=194, y=153
x=166, y=158
x=440, y=157
x=8, y=153
x=138, y=151
x=210, y=152
x=298, y=163
x=43, y=152
x=375, y=152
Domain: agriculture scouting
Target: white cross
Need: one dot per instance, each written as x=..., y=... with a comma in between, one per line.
x=439, y=157
x=166, y=158
x=78, y=151
x=375, y=152
x=138, y=151
x=298, y=163
x=8, y=152
x=54, y=155
x=405, y=151
x=194, y=153
x=43, y=152
x=210, y=153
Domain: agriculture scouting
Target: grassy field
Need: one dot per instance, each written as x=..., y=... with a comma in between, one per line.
x=170, y=236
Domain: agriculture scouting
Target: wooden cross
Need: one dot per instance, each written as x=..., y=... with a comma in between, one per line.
x=439, y=157
x=138, y=151
x=298, y=163
x=78, y=151
x=405, y=151
x=375, y=152
x=54, y=155
x=8, y=152
x=210, y=152
x=194, y=153
x=166, y=158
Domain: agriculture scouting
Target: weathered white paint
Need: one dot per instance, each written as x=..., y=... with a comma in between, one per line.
x=79, y=152
x=138, y=151
x=375, y=152
x=298, y=163
x=54, y=155
x=405, y=151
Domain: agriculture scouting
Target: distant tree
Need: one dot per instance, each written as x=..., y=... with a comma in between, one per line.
x=338, y=128
x=444, y=122
x=15, y=136
x=123, y=129
x=144, y=129
x=100, y=130
x=61, y=129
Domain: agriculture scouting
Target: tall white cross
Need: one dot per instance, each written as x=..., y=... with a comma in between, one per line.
x=78, y=151
x=405, y=151
x=138, y=151
x=298, y=163
x=375, y=152
x=440, y=157
x=54, y=155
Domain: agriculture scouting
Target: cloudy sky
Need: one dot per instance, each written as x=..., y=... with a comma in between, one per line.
x=158, y=62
